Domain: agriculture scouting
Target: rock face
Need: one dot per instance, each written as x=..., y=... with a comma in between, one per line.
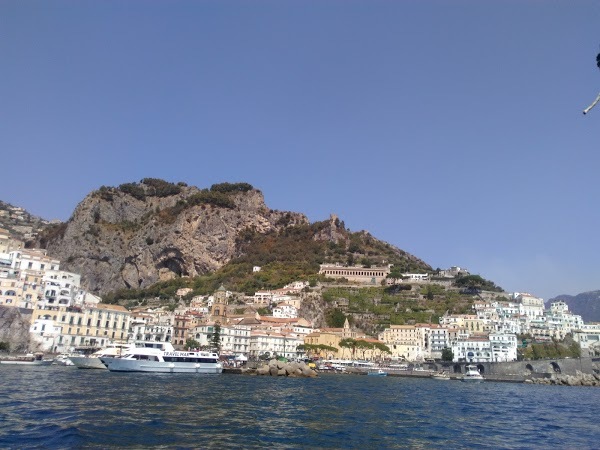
x=14, y=329
x=133, y=238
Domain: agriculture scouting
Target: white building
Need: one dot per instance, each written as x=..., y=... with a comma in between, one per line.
x=529, y=306
x=497, y=347
x=235, y=339
x=60, y=288
x=588, y=337
x=264, y=298
x=46, y=333
x=285, y=311
x=272, y=344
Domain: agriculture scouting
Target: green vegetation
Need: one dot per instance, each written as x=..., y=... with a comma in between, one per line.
x=231, y=187
x=191, y=343
x=335, y=318
x=362, y=347
x=133, y=189
x=447, y=354
x=160, y=188
x=389, y=306
x=475, y=283
x=315, y=349
x=554, y=349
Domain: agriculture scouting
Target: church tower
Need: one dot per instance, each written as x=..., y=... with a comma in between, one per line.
x=219, y=306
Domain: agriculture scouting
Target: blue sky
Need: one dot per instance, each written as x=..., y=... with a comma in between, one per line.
x=450, y=129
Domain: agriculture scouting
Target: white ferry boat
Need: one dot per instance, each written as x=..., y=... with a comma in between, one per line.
x=163, y=360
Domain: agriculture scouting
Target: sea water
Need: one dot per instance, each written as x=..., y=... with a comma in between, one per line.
x=65, y=407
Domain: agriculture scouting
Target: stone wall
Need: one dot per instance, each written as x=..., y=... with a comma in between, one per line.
x=565, y=366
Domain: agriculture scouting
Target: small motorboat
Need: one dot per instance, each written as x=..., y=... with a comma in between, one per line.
x=377, y=373
x=472, y=374
x=441, y=375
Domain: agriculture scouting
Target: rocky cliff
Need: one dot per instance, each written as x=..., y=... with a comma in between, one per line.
x=139, y=233
x=14, y=329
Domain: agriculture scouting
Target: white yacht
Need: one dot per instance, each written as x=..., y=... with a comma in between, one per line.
x=164, y=360
x=472, y=374
x=92, y=361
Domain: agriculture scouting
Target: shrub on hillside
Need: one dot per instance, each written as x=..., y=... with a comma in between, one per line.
x=161, y=188
x=133, y=189
x=231, y=187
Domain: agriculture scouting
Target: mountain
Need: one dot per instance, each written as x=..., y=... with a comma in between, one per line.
x=137, y=234
x=586, y=304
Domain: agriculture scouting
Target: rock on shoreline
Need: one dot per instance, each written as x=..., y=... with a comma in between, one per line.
x=276, y=368
x=579, y=379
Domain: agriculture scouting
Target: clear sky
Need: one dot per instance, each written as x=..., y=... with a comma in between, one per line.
x=450, y=129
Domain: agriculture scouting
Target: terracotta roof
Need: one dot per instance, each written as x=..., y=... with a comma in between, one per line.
x=276, y=319
x=111, y=307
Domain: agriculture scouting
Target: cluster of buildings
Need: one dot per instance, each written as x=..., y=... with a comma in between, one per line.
x=490, y=333
x=66, y=317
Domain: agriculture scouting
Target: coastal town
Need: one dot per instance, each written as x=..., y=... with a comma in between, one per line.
x=66, y=318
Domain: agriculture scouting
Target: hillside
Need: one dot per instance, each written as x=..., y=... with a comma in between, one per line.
x=131, y=237
x=586, y=304
x=19, y=223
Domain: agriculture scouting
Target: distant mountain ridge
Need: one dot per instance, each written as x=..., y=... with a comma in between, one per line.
x=137, y=234
x=586, y=304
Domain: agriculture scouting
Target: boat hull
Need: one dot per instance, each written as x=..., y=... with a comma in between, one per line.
x=82, y=362
x=472, y=379
x=25, y=363
x=132, y=365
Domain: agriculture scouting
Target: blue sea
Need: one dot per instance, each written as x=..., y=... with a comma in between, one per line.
x=59, y=407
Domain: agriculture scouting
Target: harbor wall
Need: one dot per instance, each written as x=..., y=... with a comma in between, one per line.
x=565, y=366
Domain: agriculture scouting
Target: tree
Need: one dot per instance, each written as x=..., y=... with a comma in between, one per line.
x=447, y=354
x=335, y=318
x=191, y=343
x=344, y=344
x=349, y=343
x=215, y=338
x=327, y=348
x=382, y=348
x=363, y=346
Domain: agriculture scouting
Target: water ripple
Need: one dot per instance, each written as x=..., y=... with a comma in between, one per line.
x=62, y=407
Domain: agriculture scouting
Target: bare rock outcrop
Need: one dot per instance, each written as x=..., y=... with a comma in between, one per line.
x=14, y=329
x=277, y=368
x=133, y=238
x=579, y=379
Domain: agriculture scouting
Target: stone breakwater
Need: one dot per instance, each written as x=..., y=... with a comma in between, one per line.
x=282, y=369
x=579, y=379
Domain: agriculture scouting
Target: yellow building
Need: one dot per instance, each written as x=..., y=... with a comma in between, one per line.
x=11, y=291
x=95, y=326
x=332, y=337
